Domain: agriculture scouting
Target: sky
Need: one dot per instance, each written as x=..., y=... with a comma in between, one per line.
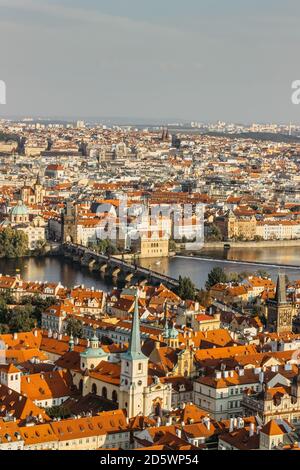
x=203, y=60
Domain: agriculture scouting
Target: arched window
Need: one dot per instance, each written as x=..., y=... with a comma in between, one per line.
x=104, y=392
x=80, y=386
x=114, y=396
x=94, y=389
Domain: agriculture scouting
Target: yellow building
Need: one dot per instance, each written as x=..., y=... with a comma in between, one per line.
x=152, y=245
x=243, y=227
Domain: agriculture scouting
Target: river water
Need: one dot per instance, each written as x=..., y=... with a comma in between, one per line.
x=70, y=274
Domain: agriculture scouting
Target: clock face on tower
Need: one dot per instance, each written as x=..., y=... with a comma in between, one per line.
x=285, y=317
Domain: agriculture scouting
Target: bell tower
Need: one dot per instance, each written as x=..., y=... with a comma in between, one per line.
x=134, y=370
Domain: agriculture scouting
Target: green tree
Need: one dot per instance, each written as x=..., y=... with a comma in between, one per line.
x=3, y=310
x=40, y=248
x=172, y=245
x=38, y=304
x=186, y=289
x=21, y=319
x=4, y=328
x=58, y=411
x=13, y=243
x=216, y=276
x=203, y=298
x=215, y=233
x=74, y=327
x=105, y=247
x=262, y=273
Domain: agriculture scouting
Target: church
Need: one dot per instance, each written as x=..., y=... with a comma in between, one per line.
x=122, y=378
x=33, y=195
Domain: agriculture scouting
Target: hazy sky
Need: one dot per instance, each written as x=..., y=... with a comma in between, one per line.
x=194, y=59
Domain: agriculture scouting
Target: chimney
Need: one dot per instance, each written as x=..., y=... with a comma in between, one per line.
x=35, y=333
x=231, y=427
x=169, y=421
x=207, y=423
x=251, y=430
x=15, y=336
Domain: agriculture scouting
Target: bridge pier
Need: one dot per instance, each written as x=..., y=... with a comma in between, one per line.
x=103, y=268
x=116, y=268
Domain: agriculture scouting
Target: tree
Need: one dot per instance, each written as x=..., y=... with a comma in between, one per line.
x=40, y=248
x=216, y=276
x=244, y=275
x=262, y=273
x=3, y=310
x=172, y=245
x=13, y=243
x=74, y=327
x=203, y=298
x=215, y=233
x=21, y=319
x=38, y=304
x=58, y=411
x=105, y=247
x=233, y=277
x=186, y=289
x=4, y=328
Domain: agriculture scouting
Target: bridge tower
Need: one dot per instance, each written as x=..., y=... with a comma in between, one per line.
x=280, y=310
x=69, y=223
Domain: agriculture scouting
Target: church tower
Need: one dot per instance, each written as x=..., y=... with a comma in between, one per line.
x=134, y=370
x=280, y=311
x=39, y=191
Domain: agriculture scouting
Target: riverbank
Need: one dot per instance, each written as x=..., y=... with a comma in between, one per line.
x=60, y=269
x=253, y=244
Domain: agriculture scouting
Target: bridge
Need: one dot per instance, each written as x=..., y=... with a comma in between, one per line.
x=114, y=267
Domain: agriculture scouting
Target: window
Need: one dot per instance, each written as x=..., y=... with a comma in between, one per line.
x=140, y=367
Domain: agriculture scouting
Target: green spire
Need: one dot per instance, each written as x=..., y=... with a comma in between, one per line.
x=166, y=327
x=134, y=351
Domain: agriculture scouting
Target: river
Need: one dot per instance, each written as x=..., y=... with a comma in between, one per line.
x=70, y=274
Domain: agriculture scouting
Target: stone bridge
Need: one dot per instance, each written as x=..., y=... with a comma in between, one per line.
x=116, y=267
